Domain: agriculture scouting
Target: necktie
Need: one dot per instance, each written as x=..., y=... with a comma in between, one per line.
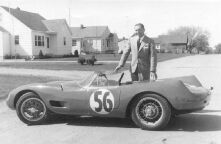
x=138, y=43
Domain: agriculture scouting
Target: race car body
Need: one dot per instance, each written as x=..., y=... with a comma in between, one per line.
x=149, y=104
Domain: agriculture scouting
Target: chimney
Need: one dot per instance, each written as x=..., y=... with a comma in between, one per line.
x=18, y=8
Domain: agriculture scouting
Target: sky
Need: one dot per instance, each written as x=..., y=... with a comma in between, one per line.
x=158, y=16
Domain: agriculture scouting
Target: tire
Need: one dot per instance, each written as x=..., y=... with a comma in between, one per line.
x=28, y=107
x=151, y=112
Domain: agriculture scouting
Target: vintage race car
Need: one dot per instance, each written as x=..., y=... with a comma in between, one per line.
x=150, y=104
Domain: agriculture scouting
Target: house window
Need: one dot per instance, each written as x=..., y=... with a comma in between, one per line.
x=74, y=42
x=36, y=41
x=39, y=40
x=108, y=42
x=42, y=42
x=64, y=40
x=157, y=46
x=16, y=39
x=47, y=38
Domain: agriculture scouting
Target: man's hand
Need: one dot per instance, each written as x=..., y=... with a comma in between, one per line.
x=153, y=76
x=117, y=68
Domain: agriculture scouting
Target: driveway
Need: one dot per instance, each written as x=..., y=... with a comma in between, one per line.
x=203, y=127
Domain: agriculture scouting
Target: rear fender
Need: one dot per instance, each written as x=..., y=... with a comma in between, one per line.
x=192, y=80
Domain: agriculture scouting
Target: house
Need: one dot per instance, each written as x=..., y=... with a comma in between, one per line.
x=97, y=39
x=123, y=43
x=26, y=34
x=167, y=43
x=4, y=42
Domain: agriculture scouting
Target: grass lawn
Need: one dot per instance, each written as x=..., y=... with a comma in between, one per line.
x=100, y=57
x=9, y=82
x=116, y=57
x=75, y=66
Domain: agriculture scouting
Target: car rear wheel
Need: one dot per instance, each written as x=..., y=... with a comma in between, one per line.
x=31, y=109
x=151, y=112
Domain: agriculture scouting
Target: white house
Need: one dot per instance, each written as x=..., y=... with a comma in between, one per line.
x=123, y=44
x=26, y=34
x=93, y=39
x=4, y=43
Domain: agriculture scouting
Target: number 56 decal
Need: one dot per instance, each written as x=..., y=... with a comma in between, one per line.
x=102, y=101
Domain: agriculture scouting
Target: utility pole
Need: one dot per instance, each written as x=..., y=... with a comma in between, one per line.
x=96, y=38
x=69, y=13
x=12, y=31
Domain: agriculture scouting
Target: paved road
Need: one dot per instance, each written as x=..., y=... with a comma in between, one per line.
x=203, y=127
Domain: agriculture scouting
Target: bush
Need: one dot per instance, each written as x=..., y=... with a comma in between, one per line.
x=47, y=56
x=76, y=53
x=81, y=60
x=69, y=55
x=41, y=55
x=162, y=51
x=7, y=57
x=17, y=56
x=109, y=51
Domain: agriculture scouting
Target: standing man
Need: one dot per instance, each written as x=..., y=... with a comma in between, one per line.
x=144, y=57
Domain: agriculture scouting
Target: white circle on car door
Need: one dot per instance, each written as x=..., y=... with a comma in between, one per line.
x=102, y=101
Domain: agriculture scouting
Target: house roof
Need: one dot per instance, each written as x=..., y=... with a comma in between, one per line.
x=56, y=25
x=171, y=39
x=89, y=31
x=156, y=40
x=31, y=20
x=3, y=30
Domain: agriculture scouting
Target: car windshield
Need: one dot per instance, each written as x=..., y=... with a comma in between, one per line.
x=111, y=78
x=88, y=79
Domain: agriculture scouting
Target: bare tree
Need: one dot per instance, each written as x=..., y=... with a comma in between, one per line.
x=196, y=36
x=218, y=48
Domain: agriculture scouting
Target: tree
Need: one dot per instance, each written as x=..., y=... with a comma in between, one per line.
x=197, y=37
x=76, y=53
x=218, y=48
x=41, y=55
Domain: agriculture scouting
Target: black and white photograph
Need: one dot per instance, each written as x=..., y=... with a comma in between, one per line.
x=110, y=71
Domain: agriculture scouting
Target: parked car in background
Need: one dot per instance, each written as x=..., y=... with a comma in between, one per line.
x=86, y=59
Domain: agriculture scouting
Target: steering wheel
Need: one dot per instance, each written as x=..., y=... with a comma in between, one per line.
x=119, y=81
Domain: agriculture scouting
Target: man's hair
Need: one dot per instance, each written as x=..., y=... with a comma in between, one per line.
x=141, y=25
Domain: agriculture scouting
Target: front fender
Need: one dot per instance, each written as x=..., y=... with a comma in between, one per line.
x=16, y=93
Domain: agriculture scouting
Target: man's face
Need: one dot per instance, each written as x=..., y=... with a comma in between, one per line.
x=139, y=30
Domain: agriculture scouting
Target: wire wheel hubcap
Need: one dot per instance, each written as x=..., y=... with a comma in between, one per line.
x=149, y=111
x=33, y=109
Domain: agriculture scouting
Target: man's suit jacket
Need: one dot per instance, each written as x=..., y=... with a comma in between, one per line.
x=145, y=58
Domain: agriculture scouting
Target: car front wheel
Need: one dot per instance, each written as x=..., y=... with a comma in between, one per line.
x=31, y=109
x=151, y=112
